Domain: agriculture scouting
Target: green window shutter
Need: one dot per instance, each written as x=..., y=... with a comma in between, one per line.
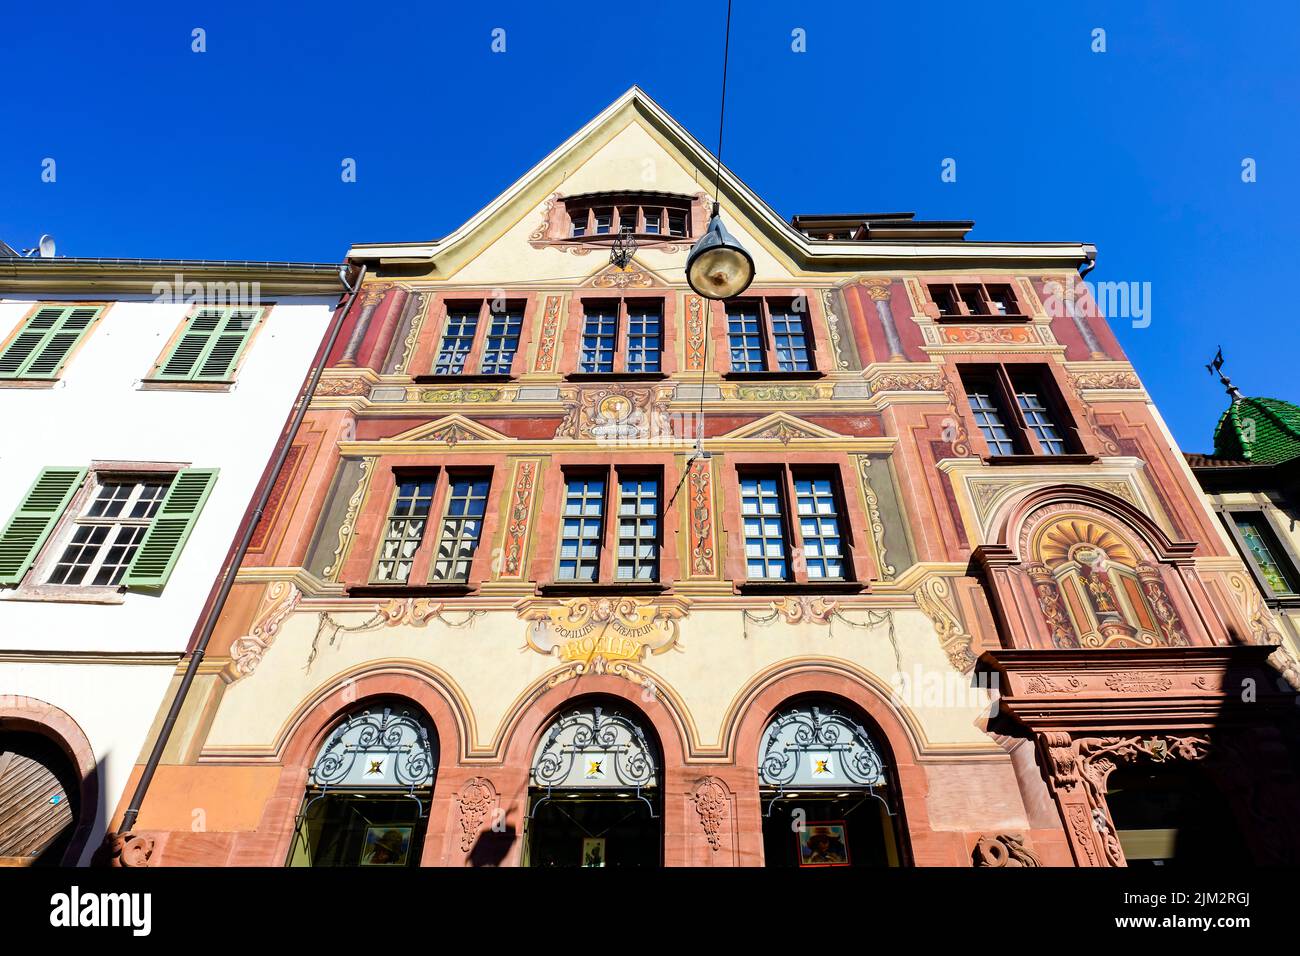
x=210, y=346
x=35, y=518
x=228, y=345
x=45, y=342
x=171, y=527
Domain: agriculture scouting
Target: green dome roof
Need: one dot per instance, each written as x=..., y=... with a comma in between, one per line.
x=1265, y=431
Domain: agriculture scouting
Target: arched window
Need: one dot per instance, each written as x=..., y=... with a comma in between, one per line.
x=594, y=792
x=368, y=791
x=826, y=791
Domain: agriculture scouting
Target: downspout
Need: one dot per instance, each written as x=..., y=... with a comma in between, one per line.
x=1090, y=262
x=203, y=634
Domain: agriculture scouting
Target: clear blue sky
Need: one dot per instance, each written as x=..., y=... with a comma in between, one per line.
x=235, y=153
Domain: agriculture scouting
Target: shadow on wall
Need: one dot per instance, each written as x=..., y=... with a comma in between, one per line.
x=491, y=847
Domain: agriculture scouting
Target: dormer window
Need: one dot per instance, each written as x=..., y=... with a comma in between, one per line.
x=641, y=214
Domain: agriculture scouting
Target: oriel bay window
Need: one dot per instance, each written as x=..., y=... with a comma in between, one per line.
x=769, y=335
x=460, y=497
x=610, y=526
x=479, y=337
x=791, y=518
x=621, y=336
x=1019, y=411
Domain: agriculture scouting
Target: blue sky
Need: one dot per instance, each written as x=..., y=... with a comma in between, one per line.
x=236, y=152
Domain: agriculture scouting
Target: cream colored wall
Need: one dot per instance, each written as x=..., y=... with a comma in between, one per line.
x=492, y=669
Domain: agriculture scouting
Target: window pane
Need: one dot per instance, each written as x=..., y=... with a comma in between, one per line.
x=638, y=530
x=643, y=337
x=579, y=218
x=404, y=530
x=789, y=341
x=652, y=221
x=744, y=338
x=106, y=536
x=584, y=503
x=604, y=221
x=1264, y=552
x=1002, y=301
x=760, y=509
x=457, y=340
x=819, y=525
x=973, y=297
x=502, y=342
x=989, y=417
x=599, y=335
x=461, y=528
x=1039, y=420
x=945, y=299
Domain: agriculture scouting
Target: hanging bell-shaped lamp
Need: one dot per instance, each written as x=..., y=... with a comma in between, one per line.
x=718, y=266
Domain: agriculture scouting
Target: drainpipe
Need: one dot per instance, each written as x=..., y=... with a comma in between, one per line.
x=1090, y=263
x=208, y=623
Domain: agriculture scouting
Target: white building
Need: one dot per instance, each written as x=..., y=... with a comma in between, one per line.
x=140, y=402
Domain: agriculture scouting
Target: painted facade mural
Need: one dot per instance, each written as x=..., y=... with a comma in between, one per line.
x=891, y=523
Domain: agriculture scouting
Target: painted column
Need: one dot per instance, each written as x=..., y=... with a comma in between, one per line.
x=393, y=312
x=1067, y=297
x=878, y=289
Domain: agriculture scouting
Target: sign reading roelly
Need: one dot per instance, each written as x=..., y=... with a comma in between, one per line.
x=593, y=630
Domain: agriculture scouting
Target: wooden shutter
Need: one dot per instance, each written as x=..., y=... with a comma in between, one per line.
x=35, y=518
x=43, y=345
x=171, y=527
x=210, y=346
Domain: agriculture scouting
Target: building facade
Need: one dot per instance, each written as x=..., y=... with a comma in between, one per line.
x=889, y=561
x=1253, y=486
x=141, y=401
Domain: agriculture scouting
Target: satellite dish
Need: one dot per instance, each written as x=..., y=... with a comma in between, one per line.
x=46, y=245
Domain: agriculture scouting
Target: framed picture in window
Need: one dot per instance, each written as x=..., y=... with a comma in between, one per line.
x=593, y=851
x=823, y=844
x=386, y=846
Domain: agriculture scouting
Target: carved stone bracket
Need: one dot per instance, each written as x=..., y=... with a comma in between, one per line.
x=474, y=802
x=127, y=850
x=1003, y=849
x=1077, y=770
x=711, y=798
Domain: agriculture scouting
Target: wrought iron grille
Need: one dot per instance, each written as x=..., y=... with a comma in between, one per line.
x=376, y=748
x=818, y=747
x=594, y=748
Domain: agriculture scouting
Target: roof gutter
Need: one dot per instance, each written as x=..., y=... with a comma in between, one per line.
x=212, y=612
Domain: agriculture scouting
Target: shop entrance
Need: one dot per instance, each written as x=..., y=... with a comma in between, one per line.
x=825, y=792
x=594, y=799
x=368, y=791
x=1172, y=815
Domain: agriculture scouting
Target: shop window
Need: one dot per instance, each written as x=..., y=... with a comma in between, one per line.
x=594, y=798
x=825, y=790
x=368, y=792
